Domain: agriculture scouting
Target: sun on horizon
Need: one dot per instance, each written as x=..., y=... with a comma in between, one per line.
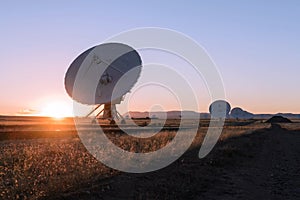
x=57, y=110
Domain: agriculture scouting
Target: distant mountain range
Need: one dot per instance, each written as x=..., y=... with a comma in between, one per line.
x=163, y=115
x=286, y=115
x=236, y=113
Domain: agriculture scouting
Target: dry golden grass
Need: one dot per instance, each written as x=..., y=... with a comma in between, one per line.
x=33, y=168
x=291, y=126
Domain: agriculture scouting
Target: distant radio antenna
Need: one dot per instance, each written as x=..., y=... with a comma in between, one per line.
x=103, y=65
x=219, y=109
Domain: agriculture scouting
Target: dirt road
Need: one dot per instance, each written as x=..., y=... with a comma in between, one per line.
x=261, y=165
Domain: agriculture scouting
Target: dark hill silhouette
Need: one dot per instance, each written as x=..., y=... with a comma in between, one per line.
x=278, y=119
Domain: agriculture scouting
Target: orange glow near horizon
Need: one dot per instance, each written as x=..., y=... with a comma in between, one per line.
x=57, y=110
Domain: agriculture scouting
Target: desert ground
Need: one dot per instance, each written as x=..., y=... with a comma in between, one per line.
x=43, y=158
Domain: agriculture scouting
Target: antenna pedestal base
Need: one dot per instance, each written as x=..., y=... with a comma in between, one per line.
x=109, y=112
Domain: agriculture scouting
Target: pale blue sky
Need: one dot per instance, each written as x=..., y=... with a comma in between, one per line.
x=255, y=45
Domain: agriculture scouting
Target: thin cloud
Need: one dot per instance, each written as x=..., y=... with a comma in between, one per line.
x=28, y=112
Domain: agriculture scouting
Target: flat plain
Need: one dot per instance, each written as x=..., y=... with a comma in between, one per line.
x=43, y=158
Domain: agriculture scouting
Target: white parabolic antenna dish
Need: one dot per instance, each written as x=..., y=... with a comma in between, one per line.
x=107, y=62
x=219, y=109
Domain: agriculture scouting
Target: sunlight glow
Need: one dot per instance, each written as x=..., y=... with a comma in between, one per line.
x=57, y=110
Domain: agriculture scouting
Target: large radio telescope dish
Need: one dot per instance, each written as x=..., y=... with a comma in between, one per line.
x=219, y=109
x=92, y=77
